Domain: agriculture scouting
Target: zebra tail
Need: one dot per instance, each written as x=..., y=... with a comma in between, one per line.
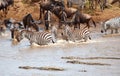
x=93, y=22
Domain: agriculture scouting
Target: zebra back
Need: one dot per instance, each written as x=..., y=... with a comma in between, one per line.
x=113, y=23
x=82, y=34
x=67, y=33
x=76, y=34
x=41, y=38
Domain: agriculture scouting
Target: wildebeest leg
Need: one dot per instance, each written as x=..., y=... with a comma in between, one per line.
x=78, y=25
x=75, y=26
x=46, y=25
x=116, y=30
x=40, y=13
x=60, y=24
x=87, y=25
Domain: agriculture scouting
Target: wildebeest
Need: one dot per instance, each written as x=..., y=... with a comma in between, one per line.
x=69, y=3
x=58, y=3
x=111, y=24
x=45, y=5
x=48, y=5
x=82, y=18
x=63, y=13
x=4, y=5
x=29, y=22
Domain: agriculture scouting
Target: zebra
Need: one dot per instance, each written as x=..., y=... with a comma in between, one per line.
x=112, y=24
x=80, y=34
x=40, y=38
x=76, y=34
x=67, y=33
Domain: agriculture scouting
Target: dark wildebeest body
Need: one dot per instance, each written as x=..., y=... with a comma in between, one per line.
x=28, y=22
x=63, y=13
x=4, y=5
x=82, y=18
x=45, y=6
x=48, y=5
x=57, y=3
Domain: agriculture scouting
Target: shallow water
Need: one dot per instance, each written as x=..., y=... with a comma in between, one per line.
x=22, y=54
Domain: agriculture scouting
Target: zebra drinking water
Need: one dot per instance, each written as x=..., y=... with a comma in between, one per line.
x=112, y=24
x=77, y=34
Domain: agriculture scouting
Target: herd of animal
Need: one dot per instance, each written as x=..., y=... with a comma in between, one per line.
x=68, y=26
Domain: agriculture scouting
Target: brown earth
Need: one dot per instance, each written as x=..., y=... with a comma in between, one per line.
x=20, y=10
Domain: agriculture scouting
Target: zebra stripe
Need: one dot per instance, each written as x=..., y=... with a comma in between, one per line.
x=82, y=34
x=40, y=38
x=76, y=34
x=112, y=24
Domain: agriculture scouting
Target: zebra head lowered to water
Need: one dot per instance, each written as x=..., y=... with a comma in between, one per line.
x=111, y=24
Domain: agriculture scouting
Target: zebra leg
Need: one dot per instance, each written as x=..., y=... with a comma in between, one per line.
x=89, y=37
x=85, y=38
x=31, y=42
x=53, y=41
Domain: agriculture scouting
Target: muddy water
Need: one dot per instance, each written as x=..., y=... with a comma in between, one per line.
x=99, y=50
